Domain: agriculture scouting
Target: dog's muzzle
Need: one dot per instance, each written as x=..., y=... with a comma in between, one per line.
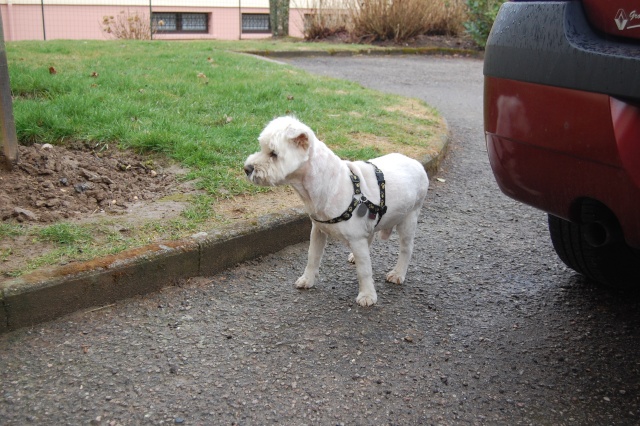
x=248, y=169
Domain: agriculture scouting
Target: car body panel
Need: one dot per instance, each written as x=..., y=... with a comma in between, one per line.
x=552, y=118
x=540, y=166
x=620, y=18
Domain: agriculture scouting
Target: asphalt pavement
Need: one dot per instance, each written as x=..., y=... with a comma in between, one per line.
x=489, y=328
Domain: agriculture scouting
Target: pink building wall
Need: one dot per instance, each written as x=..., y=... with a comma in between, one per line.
x=24, y=22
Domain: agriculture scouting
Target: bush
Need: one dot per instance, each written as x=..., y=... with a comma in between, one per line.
x=446, y=17
x=326, y=20
x=128, y=26
x=400, y=20
x=382, y=20
x=482, y=13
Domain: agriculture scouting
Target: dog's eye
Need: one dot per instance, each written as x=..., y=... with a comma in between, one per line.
x=273, y=155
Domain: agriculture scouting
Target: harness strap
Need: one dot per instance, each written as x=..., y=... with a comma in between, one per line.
x=382, y=208
x=374, y=210
x=354, y=202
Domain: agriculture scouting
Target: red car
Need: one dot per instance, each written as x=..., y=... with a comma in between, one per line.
x=562, y=125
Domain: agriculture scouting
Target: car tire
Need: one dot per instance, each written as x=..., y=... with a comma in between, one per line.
x=596, y=251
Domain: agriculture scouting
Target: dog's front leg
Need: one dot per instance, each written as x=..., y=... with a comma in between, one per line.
x=351, y=258
x=367, y=292
x=317, y=242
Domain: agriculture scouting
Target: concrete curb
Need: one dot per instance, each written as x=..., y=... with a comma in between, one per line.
x=51, y=293
x=444, y=51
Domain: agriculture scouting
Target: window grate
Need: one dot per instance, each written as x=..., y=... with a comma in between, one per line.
x=164, y=22
x=256, y=23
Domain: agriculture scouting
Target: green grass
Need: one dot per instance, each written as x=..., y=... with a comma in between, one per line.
x=192, y=101
x=5, y=253
x=8, y=230
x=65, y=234
x=200, y=210
x=77, y=242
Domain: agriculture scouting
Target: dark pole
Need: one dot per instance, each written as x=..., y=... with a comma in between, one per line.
x=7, y=125
x=150, y=20
x=44, y=29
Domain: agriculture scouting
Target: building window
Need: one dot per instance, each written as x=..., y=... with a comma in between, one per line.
x=256, y=23
x=165, y=22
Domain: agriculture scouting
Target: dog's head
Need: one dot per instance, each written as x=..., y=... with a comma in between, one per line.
x=284, y=148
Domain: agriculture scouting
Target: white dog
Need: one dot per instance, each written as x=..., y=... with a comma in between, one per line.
x=350, y=201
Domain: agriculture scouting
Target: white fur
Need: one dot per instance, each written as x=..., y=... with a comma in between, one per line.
x=291, y=154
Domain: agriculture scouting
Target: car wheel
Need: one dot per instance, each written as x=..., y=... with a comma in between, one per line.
x=595, y=248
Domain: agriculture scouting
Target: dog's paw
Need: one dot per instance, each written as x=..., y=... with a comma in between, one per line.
x=351, y=258
x=365, y=299
x=394, y=277
x=304, y=282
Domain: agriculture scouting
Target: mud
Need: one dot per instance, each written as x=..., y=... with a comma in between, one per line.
x=51, y=183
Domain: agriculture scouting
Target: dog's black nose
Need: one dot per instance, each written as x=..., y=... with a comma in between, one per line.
x=248, y=169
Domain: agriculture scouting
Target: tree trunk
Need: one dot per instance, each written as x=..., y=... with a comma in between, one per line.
x=279, y=17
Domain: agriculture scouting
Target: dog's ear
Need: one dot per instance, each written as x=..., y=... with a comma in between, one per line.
x=299, y=137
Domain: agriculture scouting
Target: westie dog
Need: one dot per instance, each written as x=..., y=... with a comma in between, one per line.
x=347, y=200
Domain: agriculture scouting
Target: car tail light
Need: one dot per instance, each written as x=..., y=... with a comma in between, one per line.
x=626, y=127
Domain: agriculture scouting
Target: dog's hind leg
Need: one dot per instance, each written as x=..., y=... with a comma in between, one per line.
x=367, y=292
x=317, y=242
x=406, y=233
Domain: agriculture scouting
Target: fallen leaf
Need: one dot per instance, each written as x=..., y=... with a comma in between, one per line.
x=52, y=70
x=440, y=180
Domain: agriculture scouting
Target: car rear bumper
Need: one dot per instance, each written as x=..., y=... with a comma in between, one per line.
x=552, y=43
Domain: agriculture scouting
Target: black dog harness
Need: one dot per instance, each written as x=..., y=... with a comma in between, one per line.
x=360, y=204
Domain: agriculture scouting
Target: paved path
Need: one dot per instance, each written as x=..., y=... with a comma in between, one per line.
x=490, y=328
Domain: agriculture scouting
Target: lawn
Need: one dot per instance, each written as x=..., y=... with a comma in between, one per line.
x=191, y=101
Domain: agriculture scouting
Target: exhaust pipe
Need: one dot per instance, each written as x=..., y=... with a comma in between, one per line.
x=599, y=226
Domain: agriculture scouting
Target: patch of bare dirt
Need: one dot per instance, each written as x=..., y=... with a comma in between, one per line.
x=51, y=183
x=447, y=42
